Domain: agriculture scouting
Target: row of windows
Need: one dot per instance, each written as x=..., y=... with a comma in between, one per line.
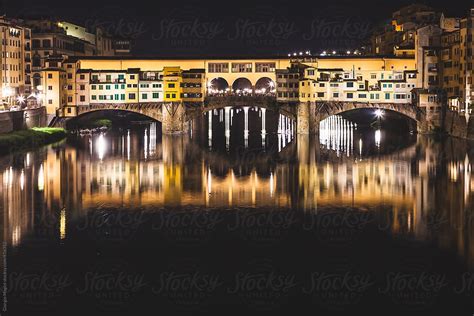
x=131, y=96
x=11, y=67
x=11, y=79
x=107, y=87
x=287, y=94
x=362, y=86
x=147, y=85
x=372, y=96
x=16, y=55
x=143, y=85
x=288, y=85
x=108, y=78
x=241, y=67
x=289, y=76
x=11, y=42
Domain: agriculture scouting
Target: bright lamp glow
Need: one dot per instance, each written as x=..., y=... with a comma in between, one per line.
x=7, y=91
x=379, y=113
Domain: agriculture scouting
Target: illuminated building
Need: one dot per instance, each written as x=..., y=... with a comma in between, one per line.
x=15, y=59
x=51, y=38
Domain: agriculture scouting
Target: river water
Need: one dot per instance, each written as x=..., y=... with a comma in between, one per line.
x=239, y=216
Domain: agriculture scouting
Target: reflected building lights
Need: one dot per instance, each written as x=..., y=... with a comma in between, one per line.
x=62, y=224
x=101, y=146
x=337, y=133
x=227, y=128
x=22, y=179
x=41, y=178
x=128, y=144
x=209, y=129
x=145, y=144
x=390, y=181
x=153, y=133
x=271, y=184
x=378, y=138
x=246, y=126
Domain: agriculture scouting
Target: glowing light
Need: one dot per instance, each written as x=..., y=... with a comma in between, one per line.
x=22, y=180
x=101, y=146
x=41, y=178
x=209, y=181
x=7, y=91
x=271, y=184
x=62, y=224
x=378, y=138
x=21, y=99
x=379, y=113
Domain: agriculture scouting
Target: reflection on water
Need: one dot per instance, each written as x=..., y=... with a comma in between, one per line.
x=247, y=157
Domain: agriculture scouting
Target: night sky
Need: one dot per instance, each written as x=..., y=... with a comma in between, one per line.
x=214, y=28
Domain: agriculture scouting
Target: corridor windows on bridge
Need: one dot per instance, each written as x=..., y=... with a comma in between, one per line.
x=241, y=67
x=265, y=67
x=218, y=67
x=131, y=96
x=374, y=96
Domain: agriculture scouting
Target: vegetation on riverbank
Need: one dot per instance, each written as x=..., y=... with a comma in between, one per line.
x=89, y=124
x=30, y=138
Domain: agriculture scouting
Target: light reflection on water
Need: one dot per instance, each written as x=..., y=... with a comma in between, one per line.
x=265, y=165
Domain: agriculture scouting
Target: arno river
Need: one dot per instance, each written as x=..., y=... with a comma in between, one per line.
x=129, y=219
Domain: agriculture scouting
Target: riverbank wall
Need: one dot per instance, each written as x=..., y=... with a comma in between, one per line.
x=11, y=121
x=458, y=125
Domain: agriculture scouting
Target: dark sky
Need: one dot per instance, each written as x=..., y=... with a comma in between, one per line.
x=185, y=27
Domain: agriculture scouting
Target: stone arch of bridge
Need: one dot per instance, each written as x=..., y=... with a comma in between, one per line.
x=326, y=109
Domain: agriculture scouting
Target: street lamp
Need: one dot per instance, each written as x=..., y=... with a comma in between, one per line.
x=378, y=113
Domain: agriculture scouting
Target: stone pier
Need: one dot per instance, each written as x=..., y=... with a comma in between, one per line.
x=307, y=120
x=173, y=118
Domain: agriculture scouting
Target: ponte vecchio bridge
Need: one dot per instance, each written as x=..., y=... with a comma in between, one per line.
x=193, y=86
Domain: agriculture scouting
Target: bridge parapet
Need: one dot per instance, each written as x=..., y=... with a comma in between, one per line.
x=150, y=109
x=240, y=100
